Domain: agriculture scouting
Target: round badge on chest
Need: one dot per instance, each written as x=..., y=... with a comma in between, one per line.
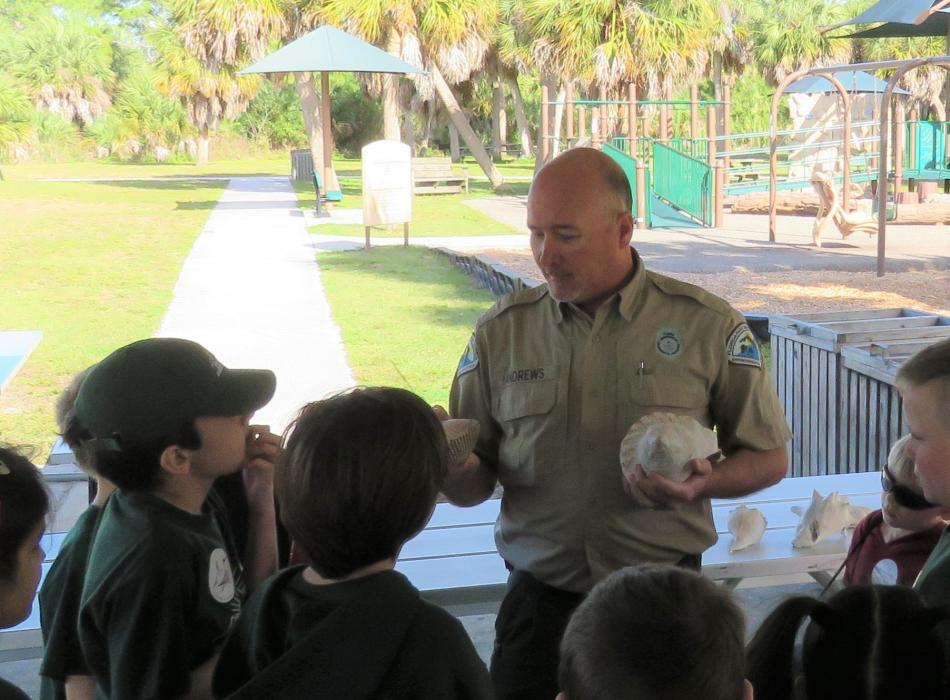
x=669, y=342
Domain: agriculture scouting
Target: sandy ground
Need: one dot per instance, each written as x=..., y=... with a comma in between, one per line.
x=798, y=291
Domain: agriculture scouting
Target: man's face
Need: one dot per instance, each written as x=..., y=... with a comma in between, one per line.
x=929, y=444
x=577, y=238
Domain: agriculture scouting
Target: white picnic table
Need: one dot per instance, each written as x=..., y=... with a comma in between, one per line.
x=454, y=562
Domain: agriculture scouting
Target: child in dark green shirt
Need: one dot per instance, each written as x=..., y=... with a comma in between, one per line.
x=359, y=477
x=162, y=419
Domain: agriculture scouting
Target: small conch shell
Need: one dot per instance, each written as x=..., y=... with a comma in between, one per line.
x=747, y=526
x=461, y=434
x=825, y=517
x=665, y=443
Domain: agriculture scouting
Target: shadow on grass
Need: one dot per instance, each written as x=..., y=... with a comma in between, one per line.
x=162, y=184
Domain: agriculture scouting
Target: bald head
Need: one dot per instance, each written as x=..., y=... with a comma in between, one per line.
x=590, y=169
x=581, y=225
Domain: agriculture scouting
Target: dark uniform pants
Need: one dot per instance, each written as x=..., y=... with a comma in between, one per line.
x=528, y=631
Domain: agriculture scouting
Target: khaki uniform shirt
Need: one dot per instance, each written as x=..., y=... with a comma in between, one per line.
x=556, y=391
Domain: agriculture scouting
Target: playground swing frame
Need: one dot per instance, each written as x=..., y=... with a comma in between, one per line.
x=900, y=67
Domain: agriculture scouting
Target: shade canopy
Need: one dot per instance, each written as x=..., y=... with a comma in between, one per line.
x=855, y=81
x=902, y=18
x=329, y=49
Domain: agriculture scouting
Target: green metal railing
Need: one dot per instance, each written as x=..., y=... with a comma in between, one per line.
x=629, y=167
x=930, y=156
x=685, y=182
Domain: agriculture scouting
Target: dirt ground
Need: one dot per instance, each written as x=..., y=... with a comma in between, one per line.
x=798, y=291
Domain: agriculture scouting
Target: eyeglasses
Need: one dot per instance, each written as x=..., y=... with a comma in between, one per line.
x=903, y=495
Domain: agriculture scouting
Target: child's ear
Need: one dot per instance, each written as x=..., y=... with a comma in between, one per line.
x=175, y=460
x=561, y=696
x=747, y=693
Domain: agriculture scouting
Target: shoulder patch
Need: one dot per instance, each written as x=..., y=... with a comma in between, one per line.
x=469, y=359
x=741, y=347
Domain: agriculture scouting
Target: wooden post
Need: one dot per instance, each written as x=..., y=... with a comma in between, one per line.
x=641, y=194
x=604, y=114
x=711, y=135
x=545, y=125
x=632, y=118
x=693, y=116
x=366, y=233
x=664, y=123
x=569, y=111
x=912, y=142
x=329, y=181
x=581, y=116
x=718, y=192
x=405, y=233
x=898, y=148
x=726, y=120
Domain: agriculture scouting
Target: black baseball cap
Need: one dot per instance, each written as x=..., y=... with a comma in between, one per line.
x=149, y=389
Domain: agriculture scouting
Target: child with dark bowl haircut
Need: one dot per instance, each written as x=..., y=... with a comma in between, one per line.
x=358, y=477
x=654, y=633
x=162, y=419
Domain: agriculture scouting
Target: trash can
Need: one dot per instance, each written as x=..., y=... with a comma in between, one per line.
x=809, y=377
x=301, y=165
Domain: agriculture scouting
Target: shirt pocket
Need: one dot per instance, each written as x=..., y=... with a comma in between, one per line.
x=643, y=394
x=526, y=414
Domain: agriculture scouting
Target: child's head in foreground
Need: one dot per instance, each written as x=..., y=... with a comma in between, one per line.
x=23, y=507
x=924, y=383
x=903, y=504
x=154, y=402
x=654, y=633
x=359, y=476
x=865, y=643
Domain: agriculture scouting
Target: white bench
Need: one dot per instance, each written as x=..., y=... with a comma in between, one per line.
x=454, y=562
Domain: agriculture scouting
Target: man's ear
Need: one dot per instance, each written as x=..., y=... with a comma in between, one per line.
x=175, y=460
x=747, y=692
x=625, y=226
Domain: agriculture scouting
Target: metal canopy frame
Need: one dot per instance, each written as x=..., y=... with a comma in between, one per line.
x=900, y=67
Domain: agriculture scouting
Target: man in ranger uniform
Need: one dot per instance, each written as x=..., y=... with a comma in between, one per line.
x=558, y=373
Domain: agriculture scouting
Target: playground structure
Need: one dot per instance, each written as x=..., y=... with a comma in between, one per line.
x=683, y=179
x=940, y=168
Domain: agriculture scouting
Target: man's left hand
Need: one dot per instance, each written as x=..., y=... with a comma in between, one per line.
x=666, y=493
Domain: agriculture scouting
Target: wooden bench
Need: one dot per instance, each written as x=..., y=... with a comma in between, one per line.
x=437, y=176
x=454, y=562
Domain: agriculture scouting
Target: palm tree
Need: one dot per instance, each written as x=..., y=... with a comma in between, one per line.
x=14, y=113
x=785, y=35
x=67, y=66
x=445, y=37
x=206, y=94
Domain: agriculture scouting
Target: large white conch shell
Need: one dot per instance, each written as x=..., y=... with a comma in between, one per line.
x=826, y=517
x=461, y=434
x=664, y=443
x=747, y=526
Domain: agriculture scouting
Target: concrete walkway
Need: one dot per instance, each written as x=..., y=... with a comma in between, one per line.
x=250, y=292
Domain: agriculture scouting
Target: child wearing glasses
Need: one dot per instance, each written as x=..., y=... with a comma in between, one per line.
x=890, y=545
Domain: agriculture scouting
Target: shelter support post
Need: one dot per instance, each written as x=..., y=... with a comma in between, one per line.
x=569, y=111
x=329, y=180
x=641, y=194
x=545, y=125
x=727, y=120
x=632, y=118
x=719, y=184
x=898, y=150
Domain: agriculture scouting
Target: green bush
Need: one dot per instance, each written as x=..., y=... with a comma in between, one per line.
x=273, y=117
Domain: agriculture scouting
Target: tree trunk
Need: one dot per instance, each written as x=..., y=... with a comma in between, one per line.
x=391, y=92
x=312, y=119
x=522, y=119
x=475, y=146
x=424, y=142
x=203, y=145
x=454, y=151
x=497, y=117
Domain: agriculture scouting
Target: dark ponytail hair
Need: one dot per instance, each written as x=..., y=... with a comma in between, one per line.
x=23, y=505
x=866, y=643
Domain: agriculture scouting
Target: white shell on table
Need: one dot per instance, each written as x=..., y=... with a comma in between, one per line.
x=747, y=526
x=461, y=434
x=664, y=443
x=825, y=517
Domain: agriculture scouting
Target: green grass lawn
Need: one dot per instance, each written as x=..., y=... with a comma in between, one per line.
x=276, y=165
x=92, y=266
x=405, y=314
x=432, y=215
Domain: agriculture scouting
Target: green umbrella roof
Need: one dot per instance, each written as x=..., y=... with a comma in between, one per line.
x=329, y=49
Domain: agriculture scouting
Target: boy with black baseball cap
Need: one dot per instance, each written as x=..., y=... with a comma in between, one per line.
x=162, y=419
